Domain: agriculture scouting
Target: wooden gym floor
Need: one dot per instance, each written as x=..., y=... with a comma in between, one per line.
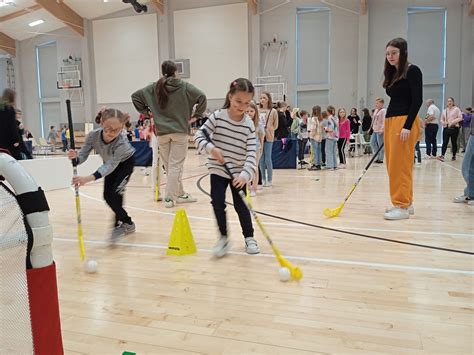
x=358, y=295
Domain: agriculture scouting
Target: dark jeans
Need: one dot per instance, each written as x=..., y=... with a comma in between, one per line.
x=218, y=188
x=431, y=131
x=301, y=147
x=453, y=134
x=114, y=189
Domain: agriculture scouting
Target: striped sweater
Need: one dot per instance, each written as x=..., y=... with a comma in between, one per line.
x=237, y=141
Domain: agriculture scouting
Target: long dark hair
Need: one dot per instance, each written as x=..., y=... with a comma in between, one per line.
x=390, y=72
x=240, y=84
x=168, y=68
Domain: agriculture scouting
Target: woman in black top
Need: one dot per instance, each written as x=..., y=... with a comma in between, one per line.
x=354, y=120
x=283, y=128
x=404, y=84
x=9, y=131
x=366, y=124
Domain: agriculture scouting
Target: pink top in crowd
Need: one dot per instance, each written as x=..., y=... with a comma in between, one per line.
x=454, y=116
x=345, y=129
x=379, y=120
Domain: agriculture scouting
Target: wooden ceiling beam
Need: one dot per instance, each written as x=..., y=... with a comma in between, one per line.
x=7, y=44
x=159, y=5
x=253, y=6
x=19, y=13
x=363, y=7
x=64, y=14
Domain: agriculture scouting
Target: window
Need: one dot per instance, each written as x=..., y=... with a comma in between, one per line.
x=313, y=26
x=427, y=49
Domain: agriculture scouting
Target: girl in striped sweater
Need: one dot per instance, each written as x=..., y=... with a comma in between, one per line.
x=233, y=142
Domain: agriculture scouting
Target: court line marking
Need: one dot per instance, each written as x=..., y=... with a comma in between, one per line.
x=292, y=225
x=452, y=167
x=300, y=258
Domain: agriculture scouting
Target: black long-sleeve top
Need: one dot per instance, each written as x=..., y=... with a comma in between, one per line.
x=9, y=134
x=406, y=96
x=282, y=130
x=355, y=123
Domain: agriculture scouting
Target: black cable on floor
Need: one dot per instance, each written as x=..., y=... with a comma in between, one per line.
x=344, y=231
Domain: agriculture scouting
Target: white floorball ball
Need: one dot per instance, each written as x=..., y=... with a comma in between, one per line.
x=284, y=274
x=90, y=266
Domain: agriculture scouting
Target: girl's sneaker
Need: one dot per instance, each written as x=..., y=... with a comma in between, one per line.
x=186, y=198
x=169, y=203
x=251, y=246
x=397, y=213
x=252, y=193
x=221, y=247
x=117, y=233
x=440, y=158
x=411, y=209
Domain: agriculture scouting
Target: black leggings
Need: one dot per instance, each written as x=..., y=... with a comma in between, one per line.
x=301, y=147
x=453, y=134
x=218, y=187
x=341, y=147
x=323, y=151
x=114, y=189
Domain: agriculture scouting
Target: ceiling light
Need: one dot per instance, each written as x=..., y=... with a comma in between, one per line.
x=35, y=23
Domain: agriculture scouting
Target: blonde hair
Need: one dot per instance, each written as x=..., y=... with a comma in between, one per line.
x=256, y=117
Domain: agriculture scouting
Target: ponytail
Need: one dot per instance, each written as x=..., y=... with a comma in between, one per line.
x=168, y=69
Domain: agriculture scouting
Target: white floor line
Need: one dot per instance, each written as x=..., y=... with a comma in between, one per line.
x=292, y=225
x=452, y=167
x=301, y=258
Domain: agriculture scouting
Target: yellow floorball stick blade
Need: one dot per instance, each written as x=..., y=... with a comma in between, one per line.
x=295, y=271
x=332, y=212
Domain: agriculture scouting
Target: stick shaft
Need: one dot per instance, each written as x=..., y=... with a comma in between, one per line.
x=80, y=234
x=363, y=173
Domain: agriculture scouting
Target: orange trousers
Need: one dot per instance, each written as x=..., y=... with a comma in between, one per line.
x=399, y=158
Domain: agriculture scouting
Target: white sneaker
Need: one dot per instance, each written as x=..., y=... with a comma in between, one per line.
x=461, y=199
x=411, y=209
x=397, y=213
x=169, y=203
x=221, y=247
x=186, y=198
x=267, y=184
x=251, y=246
x=252, y=193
